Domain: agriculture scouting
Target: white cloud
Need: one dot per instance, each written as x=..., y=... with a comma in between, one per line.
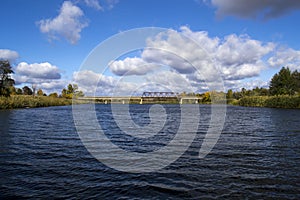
x=6, y=54
x=93, y=4
x=242, y=49
x=104, y=5
x=111, y=3
x=197, y=57
x=192, y=61
x=89, y=82
x=68, y=24
x=285, y=58
x=255, y=8
x=235, y=57
x=47, y=85
x=131, y=66
x=44, y=75
x=169, y=81
x=52, y=86
x=38, y=70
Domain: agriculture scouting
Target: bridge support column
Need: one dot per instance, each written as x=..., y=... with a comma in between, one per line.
x=141, y=102
x=181, y=101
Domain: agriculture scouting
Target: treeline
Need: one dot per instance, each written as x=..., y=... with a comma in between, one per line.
x=283, y=92
x=12, y=97
x=28, y=101
x=28, y=98
x=70, y=92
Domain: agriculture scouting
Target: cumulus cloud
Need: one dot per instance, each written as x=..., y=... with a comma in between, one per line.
x=53, y=85
x=234, y=57
x=237, y=85
x=6, y=54
x=170, y=81
x=43, y=75
x=91, y=82
x=255, y=8
x=192, y=60
x=199, y=58
x=38, y=70
x=285, y=58
x=241, y=57
x=68, y=24
x=131, y=66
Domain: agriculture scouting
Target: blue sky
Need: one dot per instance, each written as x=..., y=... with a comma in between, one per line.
x=47, y=41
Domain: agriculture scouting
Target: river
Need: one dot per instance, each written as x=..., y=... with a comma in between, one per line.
x=256, y=156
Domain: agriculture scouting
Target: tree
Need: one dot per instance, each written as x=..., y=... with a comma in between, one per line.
x=229, y=94
x=54, y=95
x=283, y=83
x=64, y=93
x=27, y=90
x=19, y=91
x=71, y=89
x=206, y=97
x=5, y=78
x=12, y=90
x=40, y=92
x=296, y=77
x=244, y=92
x=71, y=92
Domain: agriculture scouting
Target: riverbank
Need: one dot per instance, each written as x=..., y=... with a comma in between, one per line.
x=26, y=101
x=283, y=101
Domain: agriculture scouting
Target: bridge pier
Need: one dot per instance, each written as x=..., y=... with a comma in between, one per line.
x=194, y=99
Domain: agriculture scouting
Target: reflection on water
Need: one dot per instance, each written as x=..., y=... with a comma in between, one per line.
x=257, y=156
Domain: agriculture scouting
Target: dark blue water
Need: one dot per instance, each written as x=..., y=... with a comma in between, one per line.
x=257, y=156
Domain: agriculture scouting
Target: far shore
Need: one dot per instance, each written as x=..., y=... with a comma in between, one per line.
x=27, y=101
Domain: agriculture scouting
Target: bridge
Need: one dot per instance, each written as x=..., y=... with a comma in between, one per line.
x=146, y=97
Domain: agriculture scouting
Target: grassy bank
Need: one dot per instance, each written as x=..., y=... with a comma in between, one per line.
x=283, y=101
x=25, y=101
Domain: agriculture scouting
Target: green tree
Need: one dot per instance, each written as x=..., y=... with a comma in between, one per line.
x=283, y=83
x=5, y=78
x=27, y=90
x=206, y=97
x=40, y=92
x=19, y=91
x=264, y=92
x=55, y=95
x=12, y=90
x=244, y=92
x=296, y=77
x=64, y=93
x=71, y=89
x=229, y=94
x=71, y=92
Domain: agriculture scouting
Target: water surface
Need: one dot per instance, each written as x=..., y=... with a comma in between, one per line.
x=257, y=156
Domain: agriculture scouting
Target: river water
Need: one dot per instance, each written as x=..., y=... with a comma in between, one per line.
x=257, y=156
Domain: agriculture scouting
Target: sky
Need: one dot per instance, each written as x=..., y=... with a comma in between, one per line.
x=240, y=43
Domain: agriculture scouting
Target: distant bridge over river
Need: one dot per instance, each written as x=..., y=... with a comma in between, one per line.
x=146, y=97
